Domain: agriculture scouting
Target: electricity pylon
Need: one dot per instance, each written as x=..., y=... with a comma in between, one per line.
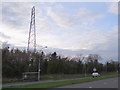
x=32, y=40
x=32, y=33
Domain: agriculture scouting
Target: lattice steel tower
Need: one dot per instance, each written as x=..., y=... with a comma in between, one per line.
x=32, y=33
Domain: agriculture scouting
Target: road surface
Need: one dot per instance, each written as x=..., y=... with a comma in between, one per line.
x=106, y=83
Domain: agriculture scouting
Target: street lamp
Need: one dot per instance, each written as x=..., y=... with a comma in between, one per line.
x=85, y=64
x=39, y=65
x=85, y=68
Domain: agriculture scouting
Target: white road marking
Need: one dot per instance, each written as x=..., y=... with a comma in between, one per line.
x=90, y=87
x=105, y=83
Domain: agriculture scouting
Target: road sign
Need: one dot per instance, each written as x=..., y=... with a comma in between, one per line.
x=94, y=69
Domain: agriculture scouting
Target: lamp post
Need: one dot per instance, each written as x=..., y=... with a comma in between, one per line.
x=39, y=65
x=85, y=59
x=85, y=68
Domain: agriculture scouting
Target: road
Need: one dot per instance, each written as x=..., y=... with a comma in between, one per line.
x=106, y=83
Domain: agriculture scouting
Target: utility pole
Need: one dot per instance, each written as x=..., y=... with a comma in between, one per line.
x=39, y=70
x=85, y=59
x=85, y=69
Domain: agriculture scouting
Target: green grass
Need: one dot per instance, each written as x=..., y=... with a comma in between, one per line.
x=62, y=76
x=61, y=83
x=46, y=77
x=53, y=77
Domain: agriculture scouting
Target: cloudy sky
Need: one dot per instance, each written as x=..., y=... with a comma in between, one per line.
x=70, y=28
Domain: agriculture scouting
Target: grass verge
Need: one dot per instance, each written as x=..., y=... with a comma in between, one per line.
x=46, y=77
x=52, y=77
x=61, y=83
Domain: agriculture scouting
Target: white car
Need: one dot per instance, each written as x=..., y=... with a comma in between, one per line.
x=95, y=74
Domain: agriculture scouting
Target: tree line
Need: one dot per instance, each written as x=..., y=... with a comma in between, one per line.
x=15, y=62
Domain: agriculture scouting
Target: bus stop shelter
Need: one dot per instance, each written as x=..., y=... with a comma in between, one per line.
x=30, y=76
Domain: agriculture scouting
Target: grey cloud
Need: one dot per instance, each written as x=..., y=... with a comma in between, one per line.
x=9, y=17
x=83, y=16
x=61, y=19
x=15, y=14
